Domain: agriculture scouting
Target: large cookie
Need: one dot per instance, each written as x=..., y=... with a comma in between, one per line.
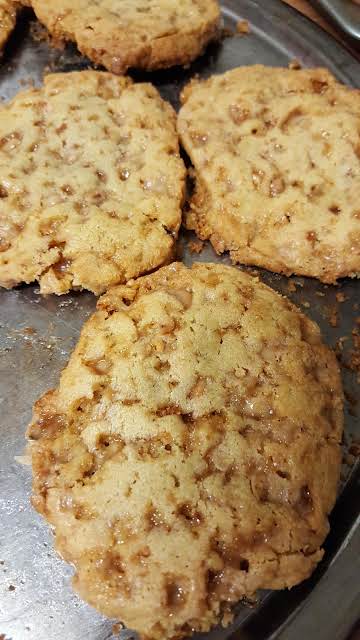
x=7, y=20
x=181, y=461
x=91, y=183
x=148, y=34
x=277, y=166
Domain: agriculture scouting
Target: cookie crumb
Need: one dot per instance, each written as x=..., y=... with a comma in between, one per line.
x=29, y=331
x=117, y=628
x=354, y=449
x=242, y=27
x=354, y=363
x=226, y=32
x=196, y=246
x=39, y=33
x=227, y=617
x=334, y=317
x=291, y=286
x=349, y=459
x=340, y=297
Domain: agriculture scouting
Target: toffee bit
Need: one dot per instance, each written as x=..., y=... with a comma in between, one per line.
x=226, y=32
x=295, y=64
x=196, y=246
x=242, y=27
x=334, y=318
x=291, y=286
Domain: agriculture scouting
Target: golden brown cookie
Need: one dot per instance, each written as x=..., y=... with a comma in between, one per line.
x=277, y=167
x=91, y=183
x=7, y=20
x=180, y=461
x=147, y=34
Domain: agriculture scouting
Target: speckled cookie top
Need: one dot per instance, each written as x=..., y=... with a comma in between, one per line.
x=149, y=34
x=91, y=183
x=277, y=166
x=190, y=454
x=7, y=20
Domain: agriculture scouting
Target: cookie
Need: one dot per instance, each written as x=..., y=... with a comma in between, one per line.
x=91, y=183
x=146, y=34
x=7, y=20
x=276, y=155
x=180, y=461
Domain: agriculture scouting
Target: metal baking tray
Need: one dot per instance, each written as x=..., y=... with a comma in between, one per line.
x=344, y=13
x=37, y=334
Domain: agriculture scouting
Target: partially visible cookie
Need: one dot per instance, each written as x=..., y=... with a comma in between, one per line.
x=91, y=183
x=277, y=167
x=180, y=460
x=7, y=20
x=146, y=34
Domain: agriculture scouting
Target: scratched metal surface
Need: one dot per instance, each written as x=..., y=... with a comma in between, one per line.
x=37, y=335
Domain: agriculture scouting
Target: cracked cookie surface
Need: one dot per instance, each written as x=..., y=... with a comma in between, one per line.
x=276, y=154
x=180, y=460
x=91, y=183
x=7, y=20
x=147, y=34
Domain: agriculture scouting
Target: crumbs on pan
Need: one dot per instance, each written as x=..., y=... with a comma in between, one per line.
x=117, y=628
x=352, y=403
x=353, y=451
x=226, y=32
x=354, y=448
x=291, y=286
x=354, y=362
x=40, y=34
x=334, y=317
x=242, y=27
x=196, y=246
x=339, y=348
x=295, y=64
x=340, y=296
x=351, y=362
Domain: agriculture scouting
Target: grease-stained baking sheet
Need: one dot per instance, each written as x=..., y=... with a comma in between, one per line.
x=37, y=334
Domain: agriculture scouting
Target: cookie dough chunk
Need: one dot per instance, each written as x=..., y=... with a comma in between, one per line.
x=277, y=166
x=91, y=183
x=7, y=20
x=180, y=461
x=147, y=34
